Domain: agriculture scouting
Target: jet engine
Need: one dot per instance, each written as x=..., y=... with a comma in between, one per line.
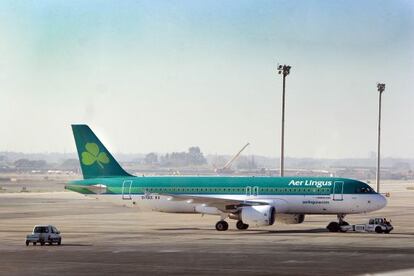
x=290, y=218
x=258, y=215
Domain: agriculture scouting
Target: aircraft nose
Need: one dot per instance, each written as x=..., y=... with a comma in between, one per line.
x=381, y=201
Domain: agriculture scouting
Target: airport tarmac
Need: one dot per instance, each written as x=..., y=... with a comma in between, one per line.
x=101, y=238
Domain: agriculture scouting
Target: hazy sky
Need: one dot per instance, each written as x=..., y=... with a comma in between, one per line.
x=165, y=75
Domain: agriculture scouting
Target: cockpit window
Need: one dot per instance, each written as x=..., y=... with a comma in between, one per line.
x=364, y=190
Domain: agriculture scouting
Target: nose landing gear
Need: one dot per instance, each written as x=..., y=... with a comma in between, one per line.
x=336, y=226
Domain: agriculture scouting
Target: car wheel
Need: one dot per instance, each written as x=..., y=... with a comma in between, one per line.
x=27, y=243
x=34, y=243
x=42, y=243
x=378, y=229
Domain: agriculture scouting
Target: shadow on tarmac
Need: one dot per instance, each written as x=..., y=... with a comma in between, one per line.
x=75, y=244
x=180, y=229
x=250, y=231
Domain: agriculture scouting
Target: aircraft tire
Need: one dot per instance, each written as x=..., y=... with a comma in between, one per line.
x=222, y=225
x=341, y=224
x=241, y=226
x=333, y=227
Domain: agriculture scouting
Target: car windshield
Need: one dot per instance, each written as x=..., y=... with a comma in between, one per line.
x=41, y=229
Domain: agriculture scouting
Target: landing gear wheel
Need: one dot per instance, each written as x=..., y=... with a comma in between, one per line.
x=222, y=225
x=27, y=243
x=241, y=226
x=342, y=223
x=333, y=227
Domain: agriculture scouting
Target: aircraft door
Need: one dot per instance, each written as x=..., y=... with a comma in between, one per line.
x=248, y=191
x=338, y=191
x=126, y=189
x=255, y=191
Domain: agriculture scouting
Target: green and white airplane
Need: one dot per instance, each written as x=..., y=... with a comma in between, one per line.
x=252, y=201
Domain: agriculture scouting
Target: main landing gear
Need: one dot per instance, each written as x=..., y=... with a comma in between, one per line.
x=222, y=225
x=241, y=226
x=336, y=226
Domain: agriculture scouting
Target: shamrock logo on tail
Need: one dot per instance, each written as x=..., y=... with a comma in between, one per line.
x=93, y=154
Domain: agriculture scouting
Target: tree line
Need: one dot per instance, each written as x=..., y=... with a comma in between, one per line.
x=193, y=156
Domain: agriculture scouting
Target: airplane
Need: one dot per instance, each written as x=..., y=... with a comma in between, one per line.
x=251, y=201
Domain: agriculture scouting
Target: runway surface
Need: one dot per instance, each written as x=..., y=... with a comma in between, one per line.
x=101, y=238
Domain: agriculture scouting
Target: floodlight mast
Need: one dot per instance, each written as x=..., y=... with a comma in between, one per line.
x=380, y=88
x=285, y=70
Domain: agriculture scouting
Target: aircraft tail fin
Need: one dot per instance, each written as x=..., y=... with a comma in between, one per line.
x=95, y=160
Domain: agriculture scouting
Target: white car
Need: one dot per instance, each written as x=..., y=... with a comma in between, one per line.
x=378, y=225
x=44, y=234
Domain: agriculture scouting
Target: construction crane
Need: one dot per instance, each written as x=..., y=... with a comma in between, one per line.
x=226, y=167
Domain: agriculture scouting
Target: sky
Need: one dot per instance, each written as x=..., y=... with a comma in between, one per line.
x=161, y=76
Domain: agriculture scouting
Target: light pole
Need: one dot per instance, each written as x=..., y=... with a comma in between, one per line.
x=380, y=88
x=285, y=70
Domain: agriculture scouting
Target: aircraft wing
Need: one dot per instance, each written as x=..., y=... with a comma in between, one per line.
x=223, y=204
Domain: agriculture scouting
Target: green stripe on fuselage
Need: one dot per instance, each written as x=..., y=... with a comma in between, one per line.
x=207, y=185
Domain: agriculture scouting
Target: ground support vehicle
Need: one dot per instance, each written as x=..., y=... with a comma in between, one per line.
x=44, y=234
x=377, y=225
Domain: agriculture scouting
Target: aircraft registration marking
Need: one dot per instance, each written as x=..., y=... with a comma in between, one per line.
x=150, y=197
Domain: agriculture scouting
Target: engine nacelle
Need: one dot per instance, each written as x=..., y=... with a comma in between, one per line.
x=256, y=216
x=290, y=218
